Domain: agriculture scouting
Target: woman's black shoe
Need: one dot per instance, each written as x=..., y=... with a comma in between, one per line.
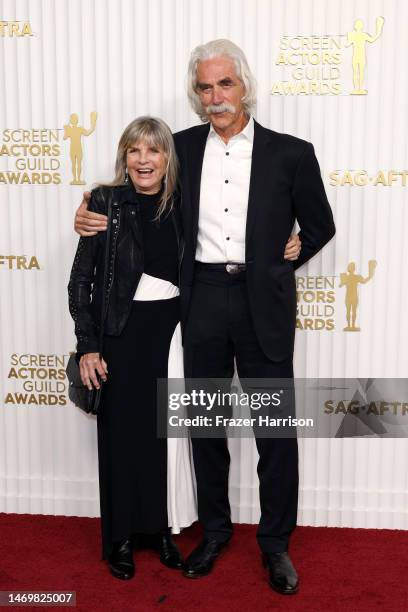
x=170, y=555
x=120, y=560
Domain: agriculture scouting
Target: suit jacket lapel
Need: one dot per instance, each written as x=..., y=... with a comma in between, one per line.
x=259, y=169
x=196, y=154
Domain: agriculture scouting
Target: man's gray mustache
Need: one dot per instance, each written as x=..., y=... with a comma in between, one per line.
x=213, y=109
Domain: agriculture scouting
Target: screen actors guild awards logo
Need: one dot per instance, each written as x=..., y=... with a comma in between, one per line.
x=358, y=39
x=316, y=302
x=313, y=64
x=37, y=380
x=33, y=155
x=74, y=133
x=351, y=281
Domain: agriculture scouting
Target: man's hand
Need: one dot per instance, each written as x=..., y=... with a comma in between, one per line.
x=90, y=366
x=89, y=223
x=293, y=247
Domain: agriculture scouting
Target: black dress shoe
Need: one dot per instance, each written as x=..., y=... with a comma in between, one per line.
x=120, y=560
x=200, y=562
x=170, y=555
x=282, y=575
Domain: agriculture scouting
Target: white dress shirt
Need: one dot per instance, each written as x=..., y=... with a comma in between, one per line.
x=224, y=194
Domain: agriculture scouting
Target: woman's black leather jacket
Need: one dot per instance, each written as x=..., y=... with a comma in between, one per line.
x=125, y=266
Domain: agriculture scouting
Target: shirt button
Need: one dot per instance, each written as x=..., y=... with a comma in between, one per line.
x=227, y=153
x=225, y=209
x=226, y=180
x=227, y=238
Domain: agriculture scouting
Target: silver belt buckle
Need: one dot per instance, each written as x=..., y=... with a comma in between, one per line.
x=232, y=268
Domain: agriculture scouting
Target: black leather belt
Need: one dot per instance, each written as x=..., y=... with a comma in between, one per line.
x=231, y=268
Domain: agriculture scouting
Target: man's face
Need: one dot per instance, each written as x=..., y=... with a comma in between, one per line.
x=219, y=85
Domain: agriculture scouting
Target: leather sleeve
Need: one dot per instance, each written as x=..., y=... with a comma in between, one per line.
x=81, y=282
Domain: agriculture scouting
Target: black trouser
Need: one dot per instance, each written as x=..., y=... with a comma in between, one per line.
x=219, y=328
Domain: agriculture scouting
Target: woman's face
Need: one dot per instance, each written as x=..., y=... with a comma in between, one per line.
x=146, y=166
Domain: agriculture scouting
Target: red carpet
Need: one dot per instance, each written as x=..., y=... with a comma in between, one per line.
x=356, y=570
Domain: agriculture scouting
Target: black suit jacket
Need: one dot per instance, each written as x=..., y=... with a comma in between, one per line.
x=285, y=186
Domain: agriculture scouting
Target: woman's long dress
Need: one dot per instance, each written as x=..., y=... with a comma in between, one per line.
x=146, y=483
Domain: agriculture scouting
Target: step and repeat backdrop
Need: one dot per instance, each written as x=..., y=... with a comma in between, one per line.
x=73, y=74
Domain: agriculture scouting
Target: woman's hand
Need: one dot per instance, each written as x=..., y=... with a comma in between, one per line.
x=89, y=366
x=293, y=247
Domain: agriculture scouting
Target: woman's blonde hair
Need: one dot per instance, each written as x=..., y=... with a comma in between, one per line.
x=156, y=133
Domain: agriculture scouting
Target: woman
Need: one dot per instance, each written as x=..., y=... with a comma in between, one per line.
x=141, y=332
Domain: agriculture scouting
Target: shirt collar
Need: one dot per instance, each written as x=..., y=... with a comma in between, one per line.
x=126, y=193
x=247, y=132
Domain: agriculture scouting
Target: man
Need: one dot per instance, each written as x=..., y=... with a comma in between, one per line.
x=243, y=187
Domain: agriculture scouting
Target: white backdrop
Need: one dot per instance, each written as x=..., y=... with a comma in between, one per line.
x=124, y=58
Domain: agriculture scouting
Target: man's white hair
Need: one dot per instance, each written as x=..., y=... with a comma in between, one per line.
x=218, y=48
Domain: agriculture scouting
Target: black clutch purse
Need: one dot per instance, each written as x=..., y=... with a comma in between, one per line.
x=84, y=398
x=89, y=400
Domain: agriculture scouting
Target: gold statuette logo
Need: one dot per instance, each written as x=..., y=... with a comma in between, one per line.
x=351, y=281
x=74, y=133
x=358, y=39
